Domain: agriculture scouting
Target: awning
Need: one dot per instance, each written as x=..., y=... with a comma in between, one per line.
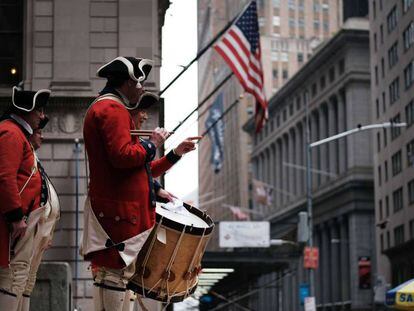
x=401, y=297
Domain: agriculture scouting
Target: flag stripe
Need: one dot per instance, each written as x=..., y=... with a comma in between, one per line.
x=240, y=49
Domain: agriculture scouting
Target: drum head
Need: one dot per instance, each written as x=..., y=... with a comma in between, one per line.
x=181, y=215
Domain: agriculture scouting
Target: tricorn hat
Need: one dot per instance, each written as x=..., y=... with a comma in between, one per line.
x=26, y=101
x=147, y=99
x=127, y=67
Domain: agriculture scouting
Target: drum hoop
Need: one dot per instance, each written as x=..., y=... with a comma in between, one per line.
x=189, y=229
x=154, y=295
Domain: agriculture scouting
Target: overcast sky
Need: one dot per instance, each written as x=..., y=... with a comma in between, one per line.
x=179, y=47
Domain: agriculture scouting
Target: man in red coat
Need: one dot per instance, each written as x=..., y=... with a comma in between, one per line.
x=20, y=192
x=120, y=210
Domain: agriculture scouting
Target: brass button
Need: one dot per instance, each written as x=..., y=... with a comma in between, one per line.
x=134, y=220
x=117, y=218
x=101, y=214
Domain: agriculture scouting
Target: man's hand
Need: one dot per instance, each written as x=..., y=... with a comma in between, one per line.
x=18, y=229
x=186, y=146
x=166, y=195
x=158, y=136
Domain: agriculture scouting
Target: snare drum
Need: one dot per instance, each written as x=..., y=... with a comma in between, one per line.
x=168, y=265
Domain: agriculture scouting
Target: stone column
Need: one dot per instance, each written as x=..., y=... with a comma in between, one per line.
x=324, y=264
x=304, y=151
x=343, y=126
x=273, y=168
x=344, y=258
x=279, y=180
x=333, y=129
x=298, y=162
x=323, y=130
x=335, y=273
x=286, y=176
x=291, y=160
x=315, y=151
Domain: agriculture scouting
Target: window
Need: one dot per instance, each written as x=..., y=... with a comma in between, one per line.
x=316, y=7
x=316, y=24
x=374, y=9
x=408, y=36
x=407, y=4
x=325, y=26
x=384, y=103
x=375, y=42
x=291, y=108
x=385, y=137
x=387, y=206
x=381, y=34
x=388, y=239
x=393, y=55
x=284, y=57
x=300, y=57
x=341, y=66
x=274, y=56
x=331, y=74
x=397, y=199
x=274, y=73
x=377, y=108
x=301, y=5
x=291, y=4
x=276, y=20
x=396, y=163
x=378, y=142
x=392, y=19
x=298, y=103
x=409, y=113
x=376, y=75
x=382, y=68
x=285, y=74
x=380, y=209
x=395, y=131
x=322, y=82
x=382, y=242
x=386, y=170
x=409, y=75
x=379, y=175
x=410, y=153
x=410, y=188
x=314, y=90
x=292, y=23
x=412, y=229
x=11, y=31
x=399, y=235
x=278, y=120
x=301, y=23
x=394, y=90
x=276, y=3
x=284, y=115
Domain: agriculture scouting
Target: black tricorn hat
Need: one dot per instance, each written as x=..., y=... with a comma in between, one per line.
x=147, y=99
x=127, y=67
x=26, y=101
x=43, y=123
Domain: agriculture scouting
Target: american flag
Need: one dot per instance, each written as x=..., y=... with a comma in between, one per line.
x=240, y=48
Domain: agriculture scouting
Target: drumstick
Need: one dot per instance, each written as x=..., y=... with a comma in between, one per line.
x=144, y=132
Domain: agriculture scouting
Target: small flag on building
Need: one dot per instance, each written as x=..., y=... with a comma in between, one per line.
x=240, y=48
x=216, y=133
x=262, y=193
x=238, y=213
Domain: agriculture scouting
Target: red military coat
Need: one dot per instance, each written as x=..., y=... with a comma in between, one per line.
x=16, y=164
x=119, y=187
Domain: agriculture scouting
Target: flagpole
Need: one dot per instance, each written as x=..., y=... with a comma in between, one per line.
x=203, y=50
x=221, y=117
x=204, y=100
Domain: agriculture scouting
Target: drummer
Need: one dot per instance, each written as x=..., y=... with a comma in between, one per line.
x=120, y=209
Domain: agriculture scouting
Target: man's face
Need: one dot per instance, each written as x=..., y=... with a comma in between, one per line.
x=134, y=91
x=34, y=117
x=139, y=116
x=36, y=139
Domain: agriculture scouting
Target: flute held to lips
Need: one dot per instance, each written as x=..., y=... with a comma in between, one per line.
x=144, y=133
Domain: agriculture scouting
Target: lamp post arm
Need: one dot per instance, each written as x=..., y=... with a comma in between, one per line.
x=355, y=130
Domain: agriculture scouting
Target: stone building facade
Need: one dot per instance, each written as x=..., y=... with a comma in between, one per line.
x=63, y=43
x=392, y=85
x=337, y=83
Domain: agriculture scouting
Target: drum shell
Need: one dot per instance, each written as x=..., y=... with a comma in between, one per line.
x=189, y=251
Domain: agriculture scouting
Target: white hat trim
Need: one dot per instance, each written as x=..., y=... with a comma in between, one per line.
x=127, y=63
x=141, y=64
x=34, y=98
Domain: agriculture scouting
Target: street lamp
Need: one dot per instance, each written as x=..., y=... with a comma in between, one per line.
x=309, y=147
